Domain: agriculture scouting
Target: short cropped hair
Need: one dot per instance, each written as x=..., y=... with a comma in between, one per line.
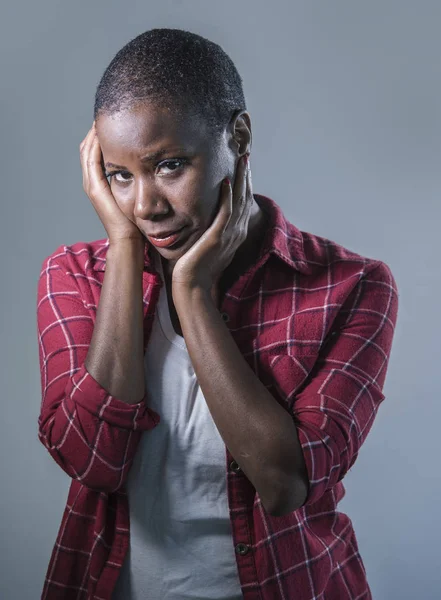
x=176, y=69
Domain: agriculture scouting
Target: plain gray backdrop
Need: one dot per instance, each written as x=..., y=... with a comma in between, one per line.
x=344, y=98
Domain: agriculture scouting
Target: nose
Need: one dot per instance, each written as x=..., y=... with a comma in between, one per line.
x=149, y=203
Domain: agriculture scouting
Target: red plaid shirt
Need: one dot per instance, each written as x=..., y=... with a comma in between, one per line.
x=314, y=321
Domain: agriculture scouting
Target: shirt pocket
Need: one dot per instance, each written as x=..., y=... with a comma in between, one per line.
x=286, y=374
x=284, y=365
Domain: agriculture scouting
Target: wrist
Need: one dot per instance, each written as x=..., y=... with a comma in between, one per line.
x=184, y=295
x=130, y=248
x=131, y=241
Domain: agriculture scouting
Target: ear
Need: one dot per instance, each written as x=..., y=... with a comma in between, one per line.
x=241, y=136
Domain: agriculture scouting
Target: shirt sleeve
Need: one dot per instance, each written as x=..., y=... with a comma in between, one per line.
x=92, y=435
x=335, y=411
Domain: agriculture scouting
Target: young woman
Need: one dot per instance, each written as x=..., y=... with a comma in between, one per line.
x=209, y=372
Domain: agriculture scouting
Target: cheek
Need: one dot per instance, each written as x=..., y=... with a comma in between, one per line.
x=125, y=203
x=194, y=195
x=205, y=204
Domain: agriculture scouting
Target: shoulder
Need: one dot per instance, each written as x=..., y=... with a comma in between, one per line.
x=328, y=258
x=315, y=257
x=71, y=273
x=76, y=258
x=349, y=281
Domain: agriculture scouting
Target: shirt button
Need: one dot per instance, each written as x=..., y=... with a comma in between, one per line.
x=242, y=549
x=234, y=466
x=225, y=317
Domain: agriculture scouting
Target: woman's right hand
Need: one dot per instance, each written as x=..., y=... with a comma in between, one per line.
x=96, y=186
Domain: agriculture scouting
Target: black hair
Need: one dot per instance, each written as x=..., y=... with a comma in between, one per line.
x=178, y=70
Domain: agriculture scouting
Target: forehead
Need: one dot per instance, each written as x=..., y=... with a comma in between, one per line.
x=146, y=127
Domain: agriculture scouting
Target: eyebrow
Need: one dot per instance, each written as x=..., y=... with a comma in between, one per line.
x=151, y=157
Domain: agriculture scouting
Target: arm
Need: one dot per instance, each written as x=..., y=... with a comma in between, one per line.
x=91, y=421
x=336, y=409
x=115, y=357
x=258, y=432
x=293, y=458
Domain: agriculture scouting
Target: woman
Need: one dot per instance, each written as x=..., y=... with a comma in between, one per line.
x=254, y=373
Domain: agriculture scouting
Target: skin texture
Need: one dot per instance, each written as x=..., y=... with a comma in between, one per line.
x=224, y=224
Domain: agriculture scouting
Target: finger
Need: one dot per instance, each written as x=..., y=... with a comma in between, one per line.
x=88, y=135
x=84, y=157
x=223, y=215
x=94, y=180
x=239, y=194
x=249, y=190
x=248, y=201
x=95, y=163
x=240, y=188
x=247, y=183
x=92, y=153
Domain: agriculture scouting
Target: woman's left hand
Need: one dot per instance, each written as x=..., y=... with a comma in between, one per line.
x=203, y=264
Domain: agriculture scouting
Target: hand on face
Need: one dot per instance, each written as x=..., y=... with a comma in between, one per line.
x=96, y=186
x=203, y=264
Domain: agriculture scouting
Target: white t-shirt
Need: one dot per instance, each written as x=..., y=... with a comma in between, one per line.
x=181, y=544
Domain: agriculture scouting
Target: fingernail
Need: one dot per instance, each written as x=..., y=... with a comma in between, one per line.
x=245, y=159
x=226, y=181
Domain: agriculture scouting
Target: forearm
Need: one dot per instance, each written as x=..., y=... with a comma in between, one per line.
x=115, y=357
x=258, y=432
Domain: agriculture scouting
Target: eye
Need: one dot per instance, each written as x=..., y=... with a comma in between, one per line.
x=181, y=162
x=172, y=165
x=116, y=173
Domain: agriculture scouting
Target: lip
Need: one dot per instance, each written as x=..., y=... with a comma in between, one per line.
x=167, y=241
x=165, y=234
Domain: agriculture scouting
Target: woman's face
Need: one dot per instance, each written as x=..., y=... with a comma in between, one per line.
x=178, y=187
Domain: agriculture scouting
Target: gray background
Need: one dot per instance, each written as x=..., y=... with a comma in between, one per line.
x=345, y=105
